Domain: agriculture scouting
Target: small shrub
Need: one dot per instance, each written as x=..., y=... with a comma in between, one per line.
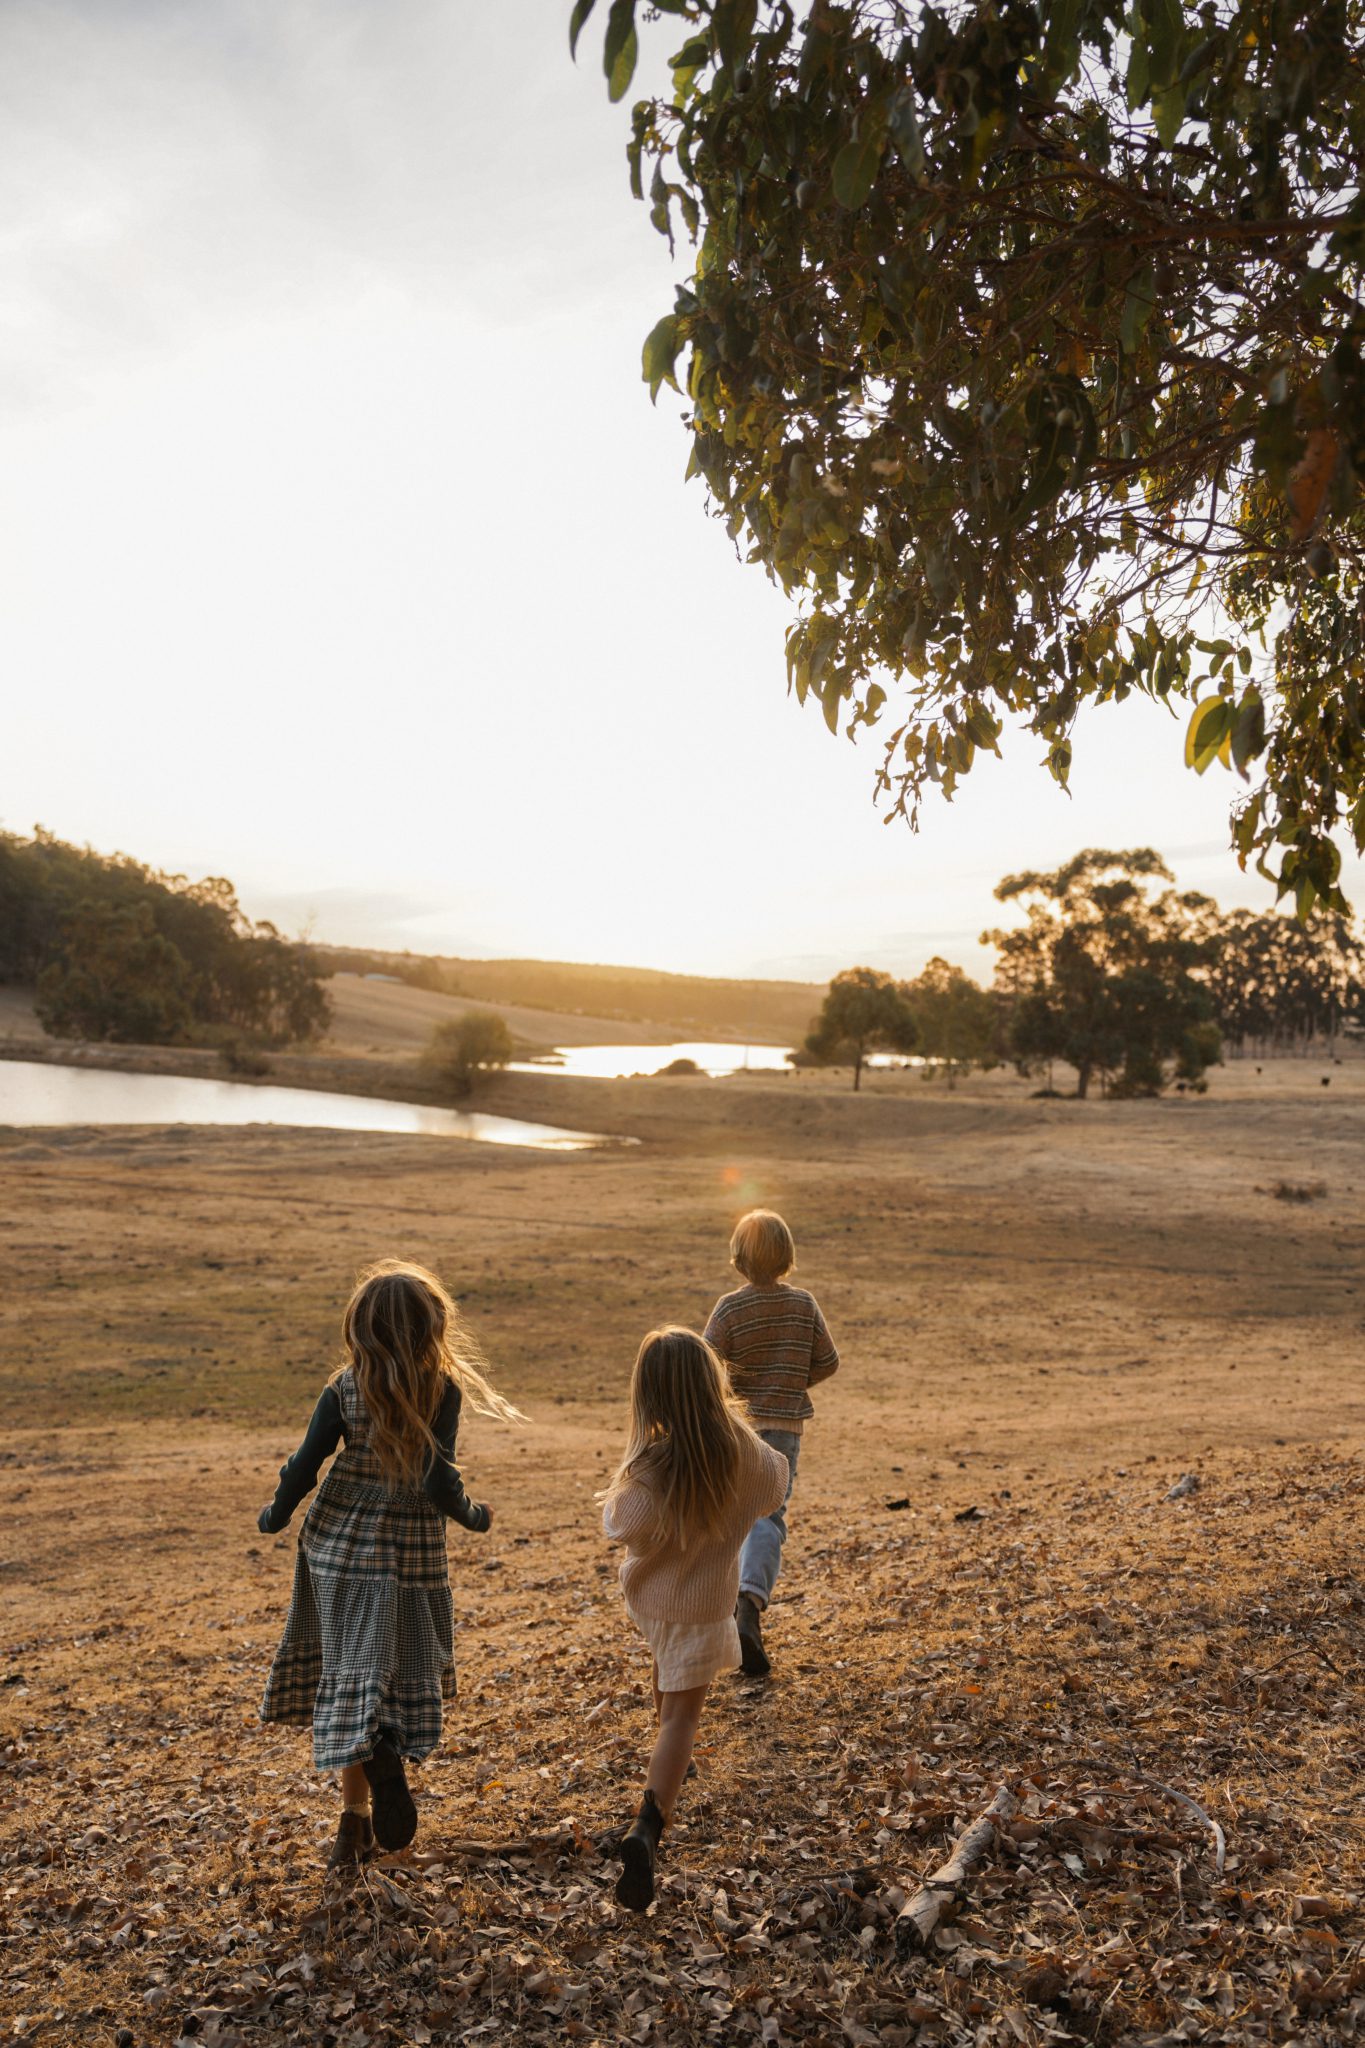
x=238, y=1056
x=1299, y=1190
x=682, y=1066
x=476, y=1043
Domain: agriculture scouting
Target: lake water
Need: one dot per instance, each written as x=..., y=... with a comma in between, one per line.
x=33, y=1094
x=610, y=1062
x=615, y=1062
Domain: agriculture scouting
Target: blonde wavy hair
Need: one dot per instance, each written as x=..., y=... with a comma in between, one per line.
x=404, y=1340
x=686, y=1428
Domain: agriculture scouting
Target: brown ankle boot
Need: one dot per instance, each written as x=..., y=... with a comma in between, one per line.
x=354, y=1842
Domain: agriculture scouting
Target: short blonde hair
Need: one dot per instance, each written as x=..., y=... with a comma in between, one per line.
x=762, y=1248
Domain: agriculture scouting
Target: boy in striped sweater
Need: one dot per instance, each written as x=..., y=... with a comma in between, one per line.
x=776, y=1347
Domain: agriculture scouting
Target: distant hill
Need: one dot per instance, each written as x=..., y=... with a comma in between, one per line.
x=691, y=1006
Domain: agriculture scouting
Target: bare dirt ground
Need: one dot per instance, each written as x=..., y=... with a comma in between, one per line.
x=1048, y=1312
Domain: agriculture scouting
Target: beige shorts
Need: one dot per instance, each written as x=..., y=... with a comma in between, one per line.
x=689, y=1653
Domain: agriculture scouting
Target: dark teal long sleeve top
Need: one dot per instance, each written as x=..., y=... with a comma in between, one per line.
x=441, y=1484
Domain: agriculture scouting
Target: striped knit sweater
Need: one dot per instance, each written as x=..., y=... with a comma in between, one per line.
x=699, y=1581
x=776, y=1345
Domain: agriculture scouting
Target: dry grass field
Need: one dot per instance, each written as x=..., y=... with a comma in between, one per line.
x=389, y=1017
x=1048, y=1311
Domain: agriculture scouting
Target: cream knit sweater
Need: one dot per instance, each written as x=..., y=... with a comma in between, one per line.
x=699, y=1582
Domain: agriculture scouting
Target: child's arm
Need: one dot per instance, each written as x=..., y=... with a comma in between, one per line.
x=300, y=1475
x=773, y=1479
x=716, y=1332
x=625, y=1514
x=444, y=1487
x=824, y=1359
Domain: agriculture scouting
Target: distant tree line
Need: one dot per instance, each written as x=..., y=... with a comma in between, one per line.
x=1279, y=986
x=115, y=950
x=1118, y=975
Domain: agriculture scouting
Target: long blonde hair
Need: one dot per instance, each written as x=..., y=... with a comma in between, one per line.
x=404, y=1340
x=686, y=1428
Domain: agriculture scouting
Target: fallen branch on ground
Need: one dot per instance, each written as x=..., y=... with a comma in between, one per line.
x=920, y=1914
x=565, y=1837
x=1184, y=1799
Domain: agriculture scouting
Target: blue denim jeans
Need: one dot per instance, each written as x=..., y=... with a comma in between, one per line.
x=761, y=1558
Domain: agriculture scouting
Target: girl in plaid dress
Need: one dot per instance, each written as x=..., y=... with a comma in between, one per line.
x=367, y=1656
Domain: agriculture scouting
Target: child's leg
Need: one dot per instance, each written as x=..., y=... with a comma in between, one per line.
x=760, y=1559
x=679, y=1714
x=679, y=1718
x=355, y=1832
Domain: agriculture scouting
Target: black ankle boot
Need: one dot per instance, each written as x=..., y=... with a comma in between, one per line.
x=635, y=1885
x=392, y=1806
x=753, y=1658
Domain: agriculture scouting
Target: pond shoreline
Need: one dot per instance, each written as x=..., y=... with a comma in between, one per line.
x=332, y=1073
x=38, y=1095
x=545, y=1094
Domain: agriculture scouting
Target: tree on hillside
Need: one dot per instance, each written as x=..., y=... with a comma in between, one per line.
x=465, y=1047
x=863, y=1012
x=1014, y=334
x=1105, y=975
x=222, y=976
x=956, y=1020
x=115, y=977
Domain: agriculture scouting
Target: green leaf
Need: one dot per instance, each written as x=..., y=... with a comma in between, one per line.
x=855, y=169
x=988, y=131
x=1208, y=732
x=582, y=9
x=1168, y=111
x=660, y=353
x=1278, y=441
x=1165, y=35
x=1248, y=731
x=622, y=48
x=733, y=26
x=1137, y=308
x=906, y=133
x=1247, y=825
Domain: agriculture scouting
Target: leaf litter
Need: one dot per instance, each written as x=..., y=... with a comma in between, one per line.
x=1162, y=1698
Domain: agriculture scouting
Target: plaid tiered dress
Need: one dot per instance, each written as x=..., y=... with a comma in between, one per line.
x=368, y=1646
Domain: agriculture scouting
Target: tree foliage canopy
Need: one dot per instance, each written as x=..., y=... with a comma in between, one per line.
x=1107, y=976
x=464, y=1047
x=1280, y=987
x=864, y=1011
x=1013, y=334
x=116, y=950
x=956, y=1020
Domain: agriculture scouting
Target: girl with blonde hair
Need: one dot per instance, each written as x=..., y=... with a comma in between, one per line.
x=692, y=1481
x=367, y=1656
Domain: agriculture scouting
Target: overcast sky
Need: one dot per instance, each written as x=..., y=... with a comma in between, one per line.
x=343, y=553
